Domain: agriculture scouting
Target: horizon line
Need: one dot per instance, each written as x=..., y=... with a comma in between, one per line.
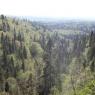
x=30, y=17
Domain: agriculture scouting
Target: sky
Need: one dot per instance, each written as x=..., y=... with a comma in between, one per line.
x=83, y=9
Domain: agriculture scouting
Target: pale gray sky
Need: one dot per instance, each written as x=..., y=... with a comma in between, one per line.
x=84, y=9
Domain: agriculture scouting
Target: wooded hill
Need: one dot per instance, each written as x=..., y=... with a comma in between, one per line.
x=36, y=59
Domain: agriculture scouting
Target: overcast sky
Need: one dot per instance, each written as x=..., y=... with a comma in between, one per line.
x=84, y=9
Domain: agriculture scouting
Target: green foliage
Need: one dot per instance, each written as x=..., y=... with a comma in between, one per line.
x=88, y=89
x=54, y=91
x=35, y=59
x=36, y=50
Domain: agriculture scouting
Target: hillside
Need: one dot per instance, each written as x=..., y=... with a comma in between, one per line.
x=46, y=59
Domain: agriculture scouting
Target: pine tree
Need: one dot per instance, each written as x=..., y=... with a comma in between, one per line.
x=49, y=71
x=6, y=87
x=24, y=52
x=31, y=85
x=2, y=38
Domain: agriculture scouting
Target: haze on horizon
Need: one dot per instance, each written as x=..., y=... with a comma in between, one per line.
x=77, y=9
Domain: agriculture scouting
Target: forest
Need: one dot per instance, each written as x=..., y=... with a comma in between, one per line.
x=46, y=58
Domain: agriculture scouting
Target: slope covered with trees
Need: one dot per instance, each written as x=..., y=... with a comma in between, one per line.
x=36, y=59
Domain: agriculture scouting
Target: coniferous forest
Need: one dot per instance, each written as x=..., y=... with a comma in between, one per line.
x=46, y=58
